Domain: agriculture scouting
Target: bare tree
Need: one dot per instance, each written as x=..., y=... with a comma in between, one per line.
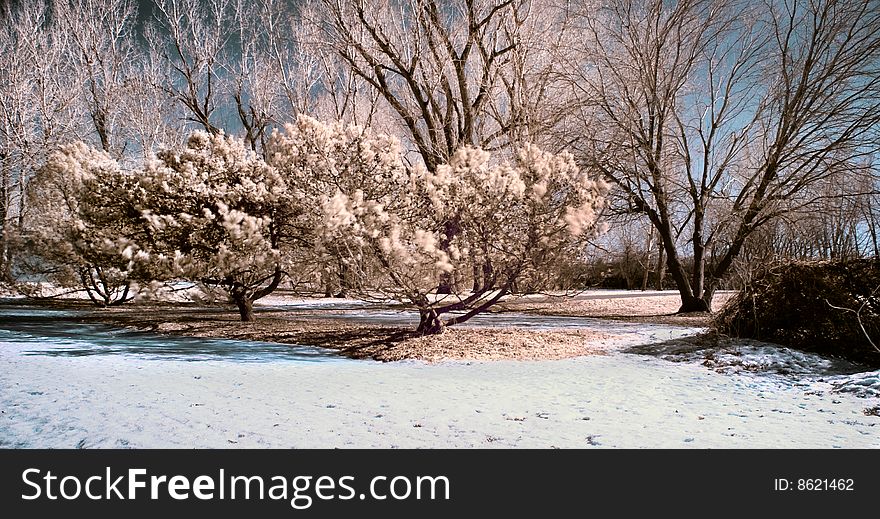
x=240, y=66
x=837, y=225
x=714, y=118
x=104, y=54
x=281, y=69
x=193, y=37
x=262, y=77
x=38, y=106
x=153, y=115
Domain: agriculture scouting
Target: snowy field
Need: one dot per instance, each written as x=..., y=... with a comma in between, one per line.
x=91, y=386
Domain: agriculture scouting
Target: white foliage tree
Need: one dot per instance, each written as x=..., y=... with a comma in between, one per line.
x=451, y=74
x=322, y=158
x=78, y=236
x=215, y=213
x=212, y=212
x=374, y=210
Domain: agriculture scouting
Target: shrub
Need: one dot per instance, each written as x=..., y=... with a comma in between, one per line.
x=829, y=307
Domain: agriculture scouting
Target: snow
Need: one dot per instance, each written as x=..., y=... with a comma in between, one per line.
x=865, y=384
x=784, y=366
x=96, y=387
x=753, y=356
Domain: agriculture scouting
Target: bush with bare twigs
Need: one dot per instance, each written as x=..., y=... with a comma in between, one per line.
x=828, y=307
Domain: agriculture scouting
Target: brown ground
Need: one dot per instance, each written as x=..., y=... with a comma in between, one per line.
x=636, y=309
x=360, y=340
x=385, y=343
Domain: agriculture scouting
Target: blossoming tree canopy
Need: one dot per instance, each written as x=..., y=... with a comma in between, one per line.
x=328, y=162
x=216, y=213
x=513, y=218
x=77, y=235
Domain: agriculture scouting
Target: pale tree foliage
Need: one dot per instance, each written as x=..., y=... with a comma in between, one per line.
x=374, y=209
x=330, y=90
x=212, y=212
x=321, y=159
x=714, y=118
x=76, y=236
x=71, y=71
x=215, y=213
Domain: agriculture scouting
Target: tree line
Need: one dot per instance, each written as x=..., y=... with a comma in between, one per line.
x=729, y=132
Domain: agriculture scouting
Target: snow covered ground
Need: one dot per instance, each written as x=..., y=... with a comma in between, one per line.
x=91, y=386
x=787, y=366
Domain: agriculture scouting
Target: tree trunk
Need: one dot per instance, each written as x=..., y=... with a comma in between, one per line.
x=124, y=297
x=5, y=261
x=429, y=322
x=701, y=301
x=343, y=276
x=488, y=274
x=689, y=303
x=693, y=304
x=661, y=267
x=243, y=301
x=5, y=271
x=327, y=280
x=647, y=263
x=699, y=248
x=245, y=308
x=699, y=274
x=477, y=272
x=708, y=295
x=447, y=280
x=869, y=217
